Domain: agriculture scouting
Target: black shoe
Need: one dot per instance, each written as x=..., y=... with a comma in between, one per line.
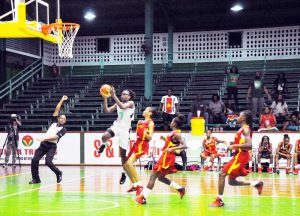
x=35, y=181
x=123, y=178
x=59, y=178
x=101, y=148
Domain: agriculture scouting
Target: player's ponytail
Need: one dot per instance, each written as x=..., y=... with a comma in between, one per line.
x=179, y=120
x=154, y=113
x=248, y=118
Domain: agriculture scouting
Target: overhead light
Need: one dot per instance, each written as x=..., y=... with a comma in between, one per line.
x=236, y=8
x=89, y=16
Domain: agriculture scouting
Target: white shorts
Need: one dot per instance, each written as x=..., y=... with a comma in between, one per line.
x=122, y=135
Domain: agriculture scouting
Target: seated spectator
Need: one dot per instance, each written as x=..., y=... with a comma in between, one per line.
x=265, y=151
x=279, y=85
x=231, y=115
x=217, y=110
x=198, y=107
x=284, y=151
x=267, y=121
x=232, y=84
x=297, y=157
x=210, y=148
x=256, y=92
x=280, y=109
x=169, y=106
x=292, y=124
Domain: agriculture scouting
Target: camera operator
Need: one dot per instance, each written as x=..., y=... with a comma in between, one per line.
x=12, y=130
x=48, y=145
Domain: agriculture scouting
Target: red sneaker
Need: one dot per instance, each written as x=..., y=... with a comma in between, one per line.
x=259, y=186
x=217, y=203
x=132, y=189
x=250, y=170
x=139, y=190
x=140, y=199
x=206, y=168
x=270, y=171
x=259, y=170
x=181, y=192
x=288, y=170
x=296, y=170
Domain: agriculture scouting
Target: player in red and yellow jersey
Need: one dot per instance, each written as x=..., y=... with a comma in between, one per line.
x=297, y=157
x=237, y=165
x=144, y=132
x=166, y=162
x=210, y=148
x=284, y=151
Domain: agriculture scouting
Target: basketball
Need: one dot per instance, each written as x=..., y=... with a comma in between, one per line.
x=105, y=90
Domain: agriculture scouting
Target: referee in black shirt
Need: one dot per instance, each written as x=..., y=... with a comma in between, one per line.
x=48, y=145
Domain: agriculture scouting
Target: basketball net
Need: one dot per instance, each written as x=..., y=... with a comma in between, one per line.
x=65, y=33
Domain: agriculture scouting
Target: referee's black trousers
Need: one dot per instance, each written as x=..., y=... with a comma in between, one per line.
x=48, y=149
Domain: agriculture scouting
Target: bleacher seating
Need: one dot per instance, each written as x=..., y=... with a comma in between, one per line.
x=84, y=110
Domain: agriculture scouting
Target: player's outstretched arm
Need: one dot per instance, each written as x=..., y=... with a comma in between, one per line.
x=58, y=106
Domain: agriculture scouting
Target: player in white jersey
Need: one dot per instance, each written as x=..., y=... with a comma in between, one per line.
x=122, y=126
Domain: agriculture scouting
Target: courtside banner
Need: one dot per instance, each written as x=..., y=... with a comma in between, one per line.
x=68, y=151
x=68, y=148
x=111, y=155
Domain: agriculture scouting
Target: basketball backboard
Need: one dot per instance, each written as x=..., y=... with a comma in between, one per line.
x=37, y=24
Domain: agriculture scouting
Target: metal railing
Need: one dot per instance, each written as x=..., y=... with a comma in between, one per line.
x=7, y=88
x=228, y=55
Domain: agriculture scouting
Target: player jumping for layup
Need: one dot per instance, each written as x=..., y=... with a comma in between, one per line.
x=122, y=126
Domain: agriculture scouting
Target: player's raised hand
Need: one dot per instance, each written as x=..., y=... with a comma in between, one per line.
x=112, y=91
x=64, y=98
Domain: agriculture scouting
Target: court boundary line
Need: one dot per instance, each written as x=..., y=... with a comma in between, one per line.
x=12, y=175
x=115, y=205
x=170, y=193
x=43, y=187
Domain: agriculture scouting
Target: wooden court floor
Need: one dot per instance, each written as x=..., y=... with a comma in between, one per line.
x=95, y=190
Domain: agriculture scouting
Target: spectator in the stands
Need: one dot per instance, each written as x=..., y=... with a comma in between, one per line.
x=279, y=85
x=198, y=109
x=217, y=110
x=169, y=106
x=292, y=124
x=267, y=121
x=256, y=92
x=231, y=115
x=232, y=85
x=280, y=109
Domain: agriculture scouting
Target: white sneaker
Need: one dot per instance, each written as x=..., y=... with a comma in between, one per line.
x=4, y=165
x=14, y=165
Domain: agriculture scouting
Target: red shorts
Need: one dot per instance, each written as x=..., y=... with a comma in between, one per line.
x=139, y=148
x=237, y=165
x=166, y=164
x=207, y=154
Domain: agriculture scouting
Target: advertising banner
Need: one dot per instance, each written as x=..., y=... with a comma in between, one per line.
x=68, y=148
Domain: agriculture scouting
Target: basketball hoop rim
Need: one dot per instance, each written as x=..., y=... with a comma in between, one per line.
x=64, y=26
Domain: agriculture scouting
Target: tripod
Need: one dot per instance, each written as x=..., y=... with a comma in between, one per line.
x=11, y=134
